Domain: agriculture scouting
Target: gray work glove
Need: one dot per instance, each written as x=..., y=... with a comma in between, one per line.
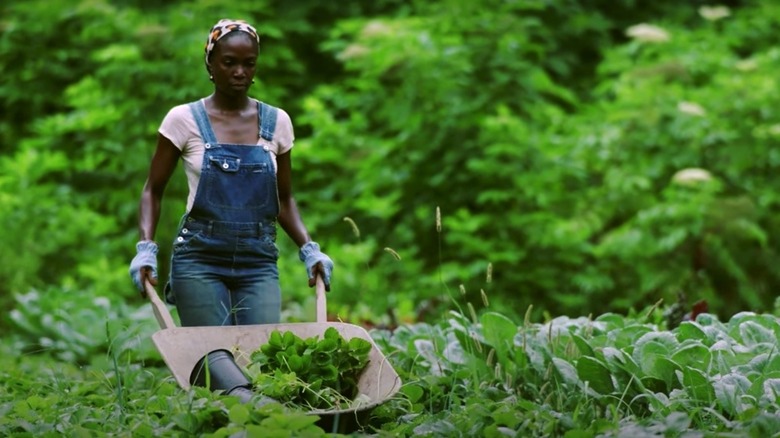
x=146, y=258
x=316, y=261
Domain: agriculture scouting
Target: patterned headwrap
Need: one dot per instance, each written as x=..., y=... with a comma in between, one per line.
x=224, y=27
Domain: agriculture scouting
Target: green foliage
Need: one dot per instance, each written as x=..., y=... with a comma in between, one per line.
x=584, y=377
x=570, y=196
x=554, y=143
x=539, y=153
x=313, y=373
x=44, y=397
x=77, y=325
x=489, y=376
x=705, y=234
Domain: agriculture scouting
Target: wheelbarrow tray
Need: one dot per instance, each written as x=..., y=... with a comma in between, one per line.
x=182, y=347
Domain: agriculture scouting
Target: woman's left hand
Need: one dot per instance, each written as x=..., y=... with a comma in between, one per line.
x=316, y=262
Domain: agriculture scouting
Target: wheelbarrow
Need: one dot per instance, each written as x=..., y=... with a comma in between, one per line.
x=184, y=348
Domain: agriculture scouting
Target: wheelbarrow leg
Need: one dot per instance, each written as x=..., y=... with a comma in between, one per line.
x=224, y=374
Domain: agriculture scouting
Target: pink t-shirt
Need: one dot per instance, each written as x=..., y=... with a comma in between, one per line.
x=180, y=128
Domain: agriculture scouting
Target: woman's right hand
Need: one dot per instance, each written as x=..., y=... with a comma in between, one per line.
x=143, y=267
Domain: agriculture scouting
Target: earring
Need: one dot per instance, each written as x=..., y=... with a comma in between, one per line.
x=253, y=81
x=211, y=78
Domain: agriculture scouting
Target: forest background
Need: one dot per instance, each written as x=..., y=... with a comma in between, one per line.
x=565, y=157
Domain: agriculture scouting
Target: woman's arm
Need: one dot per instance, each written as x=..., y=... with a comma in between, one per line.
x=289, y=216
x=316, y=262
x=163, y=164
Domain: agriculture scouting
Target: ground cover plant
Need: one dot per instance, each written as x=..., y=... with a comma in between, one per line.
x=606, y=376
x=474, y=374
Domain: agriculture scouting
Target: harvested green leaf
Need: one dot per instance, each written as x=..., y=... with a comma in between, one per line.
x=312, y=373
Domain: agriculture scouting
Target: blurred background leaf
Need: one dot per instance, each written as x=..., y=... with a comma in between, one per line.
x=593, y=168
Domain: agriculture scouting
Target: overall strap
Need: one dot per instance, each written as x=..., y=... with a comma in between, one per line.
x=198, y=109
x=266, y=120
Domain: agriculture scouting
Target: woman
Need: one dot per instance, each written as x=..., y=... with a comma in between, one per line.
x=236, y=155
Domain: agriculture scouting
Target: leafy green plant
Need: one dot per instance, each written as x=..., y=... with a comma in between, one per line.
x=315, y=373
x=593, y=170
x=550, y=141
x=478, y=375
x=76, y=325
x=609, y=374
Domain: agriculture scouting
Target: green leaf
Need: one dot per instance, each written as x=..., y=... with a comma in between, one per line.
x=328, y=373
x=412, y=392
x=624, y=370
x=729, y=390
x=697, y=385
x=295, y=363
x=654, y=384
x=332, y=334
x=275, y=340
x=665, y=369
x=613, y=321
x=566, y=371
x=591, y=370
x=621, y=359
x=690, y=330
x=583, y=345
x=627, y=337
x=693, y=354
x=327, y=345
x=359, y=348
x=771, y=389
x=506, y=415
x=427, y=350
x=652, y=354
x=499, y=332
x=287, y=424
x=238, y=414
x=289, y=340
x=753, y=333
x=320, y=358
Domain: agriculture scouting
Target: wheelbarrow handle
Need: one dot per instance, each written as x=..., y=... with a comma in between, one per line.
x=161, y=312
x=322, y=307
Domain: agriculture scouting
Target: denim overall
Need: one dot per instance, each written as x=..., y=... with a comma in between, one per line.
x=223, y=268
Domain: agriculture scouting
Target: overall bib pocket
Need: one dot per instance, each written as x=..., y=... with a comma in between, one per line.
x=236, y=185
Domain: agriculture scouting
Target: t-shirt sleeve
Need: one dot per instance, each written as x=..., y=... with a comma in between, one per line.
x=283, y=135
x=177, y=126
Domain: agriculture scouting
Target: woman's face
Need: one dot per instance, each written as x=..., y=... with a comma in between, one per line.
x=233, y=63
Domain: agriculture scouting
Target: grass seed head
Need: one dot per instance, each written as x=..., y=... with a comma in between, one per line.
x=392, y=252
x=476, y=341
x=473, y=313
x=354, y=226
